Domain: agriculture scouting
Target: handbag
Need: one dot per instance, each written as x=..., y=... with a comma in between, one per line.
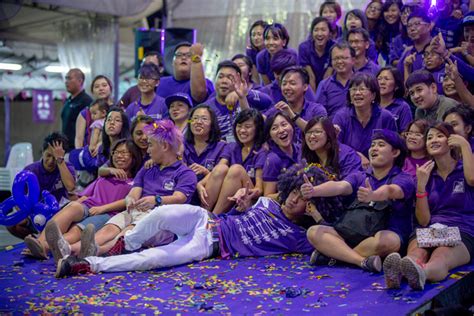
x=363, y=220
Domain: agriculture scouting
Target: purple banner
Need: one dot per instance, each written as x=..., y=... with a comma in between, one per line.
x=43, y=106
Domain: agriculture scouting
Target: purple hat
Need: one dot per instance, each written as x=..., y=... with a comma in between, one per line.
x=390, y=137
x=179, y=96
x=468, y=19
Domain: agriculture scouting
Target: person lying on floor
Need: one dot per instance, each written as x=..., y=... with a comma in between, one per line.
x=383, y=181
x=445, y=195
x=264, y=228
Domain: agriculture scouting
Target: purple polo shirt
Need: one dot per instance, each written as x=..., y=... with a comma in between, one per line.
x=252, y=54
x=50, y=181
x=452, y=201
x=471, y=142
x=277, y=161
x=255, y=159
x=439, y=74
x=157, y=109
x=105, y=190
x=309, y=111
x=353, y=134
x=263, y=64
x=410, y=163
x=257, y=99
x=401, y=112
x=308, y=57
x=401, y=216
x=417, y=64
x=225, y=118
x=349, y=161
x=262, y=230
x=274, y=91
x=397, y=46
x=332, y=94
x=370, y=68
x=164, y=182
x=208, y=158
x=169, y=85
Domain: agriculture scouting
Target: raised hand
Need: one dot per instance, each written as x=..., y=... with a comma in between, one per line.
x=365, y=194
x=196, y=49
x=423, y=173
x=285, y=108
x=57, y=150
x=307, y=189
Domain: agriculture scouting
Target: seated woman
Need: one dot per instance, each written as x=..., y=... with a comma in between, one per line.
x=416, y=145
x=283, y=151
x=179, y=105
x=461, y=118
x=363, y=115
x=256, y=44
x=54, y=175
x=98, y=202
x=321, y=146
x=383, y=181
x=445, y=195
x=241, y=164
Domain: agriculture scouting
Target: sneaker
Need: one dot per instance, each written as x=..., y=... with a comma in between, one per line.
x=318, y=259
x=36, y=249
x=391, y=270
x=372, y=264
x=117, y=249
x=72, y=265
x=88, y=245
x=59, y=247
x=414, y=273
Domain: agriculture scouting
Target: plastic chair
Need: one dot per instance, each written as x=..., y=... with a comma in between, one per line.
x=20, y=156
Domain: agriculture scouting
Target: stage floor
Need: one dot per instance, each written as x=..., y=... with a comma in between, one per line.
x=284, y=284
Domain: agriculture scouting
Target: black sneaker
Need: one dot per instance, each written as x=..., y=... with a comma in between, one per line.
x=117, y=249
x=372, y=264
x=71, y=265
x=318, y=259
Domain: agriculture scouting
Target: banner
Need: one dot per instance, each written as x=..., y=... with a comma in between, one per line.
x=43, y=106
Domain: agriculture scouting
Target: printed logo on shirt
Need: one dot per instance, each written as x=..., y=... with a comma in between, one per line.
x=458, y=187
x=209, y=164
x=58, y=185
x=169, y=185
x=251, y=171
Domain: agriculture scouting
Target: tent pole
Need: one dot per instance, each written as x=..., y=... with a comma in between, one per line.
x=116, y=78
x=7, y=127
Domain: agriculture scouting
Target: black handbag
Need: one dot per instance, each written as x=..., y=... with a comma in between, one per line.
x=363, y=220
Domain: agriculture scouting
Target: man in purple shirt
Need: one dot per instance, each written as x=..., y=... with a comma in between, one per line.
x=294, y=84
x=265, y=228
x=358, y=39
x=188, y=74
x=53, y=174
x=149, y=103
x=382, y=182
x=332, y=91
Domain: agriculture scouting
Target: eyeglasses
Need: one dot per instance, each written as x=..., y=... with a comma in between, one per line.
x=182, y=55
x=359, y=89
x=147, y=79
x=121, y=153
x=416, y=24
x=412, y=134
x=357, y=42
x=314, y=133
x=203, y=119
x=343, y=58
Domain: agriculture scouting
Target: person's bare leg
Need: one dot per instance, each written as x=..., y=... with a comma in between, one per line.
x=104, y=248
x=214, y=184
x=383, y=243
x=444, y=259
x=235, y=179
x=73, y=235
x=420, y=255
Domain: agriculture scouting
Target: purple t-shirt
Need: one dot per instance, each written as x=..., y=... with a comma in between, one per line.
x=169, y=85
x=263, y=64
x=349, y=161
x=208, y=158
x=262, y=230
x=164, y=182
x=157, y=109
x=277, y=161
x=50, y=181
x=353, y=134
x=332, y=94
x=439, y=74
x=274, y=91
x=397, y=46
x=409, y=166
x=255, y=159
x=401, y=112
x=370, y=68
x=225, y=118
x=401, y=217
x=105, y=190
x=309, y=111
x=308, y=57
x=252, y=54
x=452, y=201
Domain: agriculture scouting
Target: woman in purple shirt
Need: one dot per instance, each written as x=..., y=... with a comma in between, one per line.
x=276, y=38
x=332, y=11
x=98, y=202
x=445, y=195
x=240, y=167
x=354, y=19
x=389, y=28
x=461, y=118
x=392, y=91
x=321, y=146
x=257, y=44
x=416, y=145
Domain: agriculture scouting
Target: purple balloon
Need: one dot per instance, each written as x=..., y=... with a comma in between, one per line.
x=8, y=218
x=27, y=179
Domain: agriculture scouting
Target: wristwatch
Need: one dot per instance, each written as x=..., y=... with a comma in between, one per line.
x=196, y=58
x=295, y=118
x=158, y=200
x=59, y=160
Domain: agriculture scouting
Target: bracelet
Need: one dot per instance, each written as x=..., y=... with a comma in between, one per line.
x=196, y=59
x=420, y=195
x=295, y=118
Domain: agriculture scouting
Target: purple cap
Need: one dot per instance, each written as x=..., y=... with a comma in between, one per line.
x=179, y=96
x=390, y=137
x=468, y=19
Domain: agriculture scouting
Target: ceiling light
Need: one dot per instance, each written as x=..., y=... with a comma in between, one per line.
x=8, y=66
x=54, y=68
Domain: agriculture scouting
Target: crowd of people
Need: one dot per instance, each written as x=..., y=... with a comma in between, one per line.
x=272, y=155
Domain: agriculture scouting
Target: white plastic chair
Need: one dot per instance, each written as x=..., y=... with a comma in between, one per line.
x=20, y=156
